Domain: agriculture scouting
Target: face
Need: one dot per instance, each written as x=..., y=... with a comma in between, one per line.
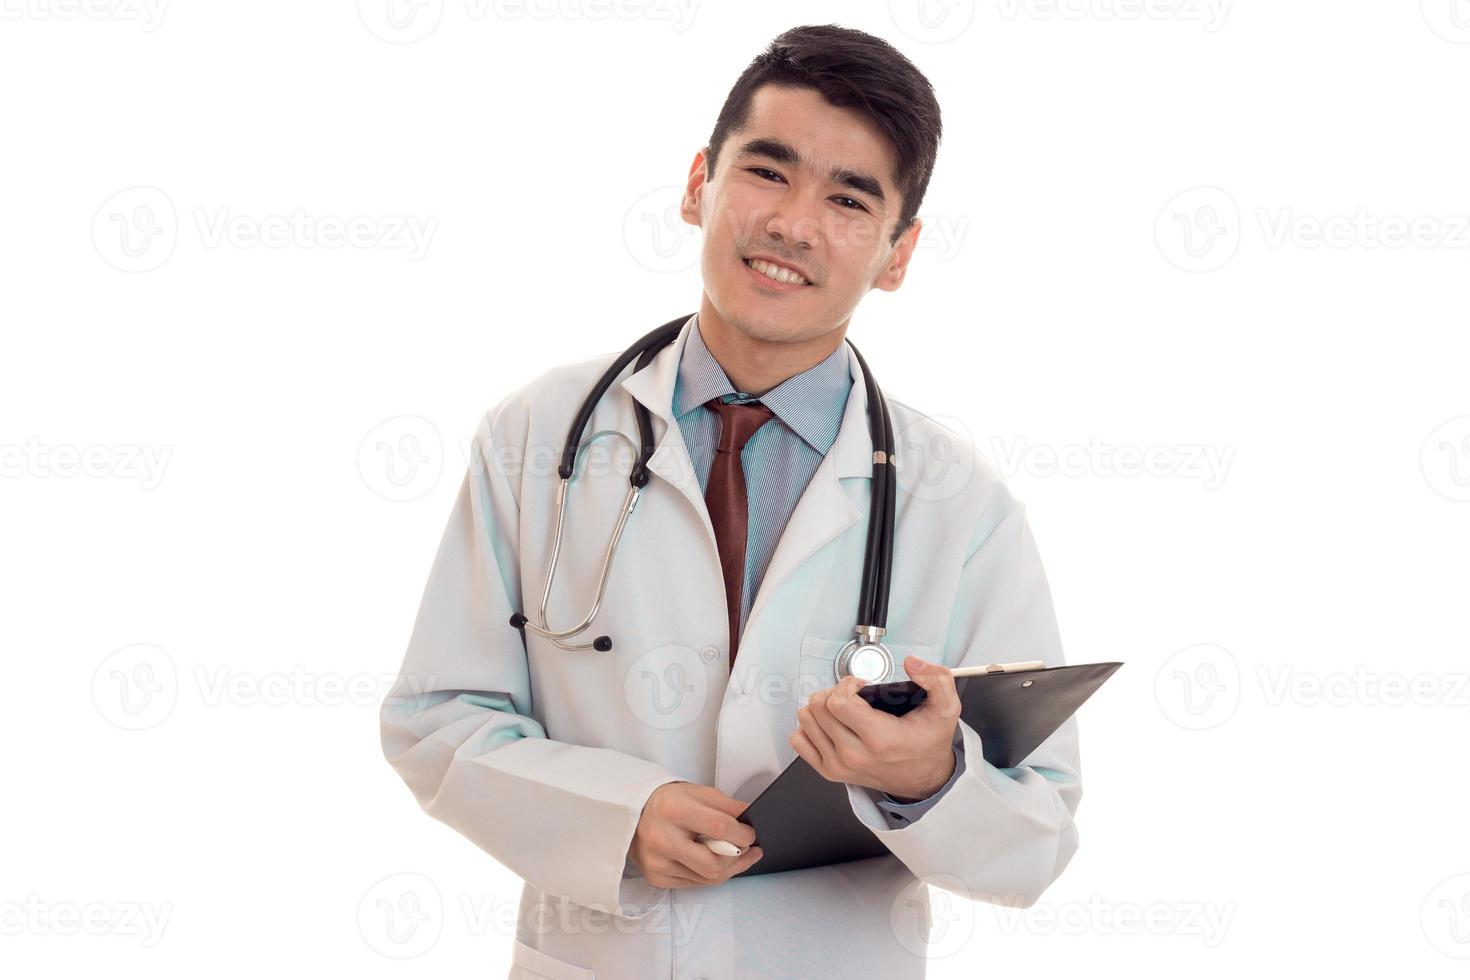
x=804, y=185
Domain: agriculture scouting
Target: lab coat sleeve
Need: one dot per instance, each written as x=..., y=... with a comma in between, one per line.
x=458, y=724
x=997, y=835
x=898, y=814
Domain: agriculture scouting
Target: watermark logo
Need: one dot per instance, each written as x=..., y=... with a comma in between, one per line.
x=1198, y=687
x=667, y=687
x=1450, y=19
x=400, y=21
x=656, y=234
x=402, y=916
x=1445, y=917
x=937, y=925
x=1445, y=459
x=401, y=458
x=136, y=229
x=1199, y=229
x=935, y=457
x=932, y=21
x=136, y=687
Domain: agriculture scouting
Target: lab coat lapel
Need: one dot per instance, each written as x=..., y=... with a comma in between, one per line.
x=653, y=387
x=824, y=510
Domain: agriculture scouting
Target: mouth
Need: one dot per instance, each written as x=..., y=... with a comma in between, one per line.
x=774, y=276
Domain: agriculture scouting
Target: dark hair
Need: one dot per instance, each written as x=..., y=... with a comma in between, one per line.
x=852, y=70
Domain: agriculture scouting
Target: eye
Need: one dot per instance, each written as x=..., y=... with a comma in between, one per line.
x=856, y=205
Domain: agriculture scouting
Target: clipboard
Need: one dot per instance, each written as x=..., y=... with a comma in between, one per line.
x=804, y=820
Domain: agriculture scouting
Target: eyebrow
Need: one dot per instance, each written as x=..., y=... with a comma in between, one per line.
x=783, y=152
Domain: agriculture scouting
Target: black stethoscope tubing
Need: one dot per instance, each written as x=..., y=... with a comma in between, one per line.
x=873, y=589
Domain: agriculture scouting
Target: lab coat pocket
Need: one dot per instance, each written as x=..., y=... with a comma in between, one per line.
x=528, y=963
x=818, y=666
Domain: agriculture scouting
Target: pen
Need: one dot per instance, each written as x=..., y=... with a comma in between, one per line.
x=720, y=846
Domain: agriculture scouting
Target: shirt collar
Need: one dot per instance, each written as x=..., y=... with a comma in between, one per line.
x=810, y=403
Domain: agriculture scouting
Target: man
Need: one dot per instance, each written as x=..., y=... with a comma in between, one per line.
x=572, y=767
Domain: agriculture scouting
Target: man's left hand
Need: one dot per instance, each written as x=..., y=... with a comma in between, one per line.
x=847, y=740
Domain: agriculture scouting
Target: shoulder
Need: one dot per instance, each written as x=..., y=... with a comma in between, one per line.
x=940, y=465
x=546, y=400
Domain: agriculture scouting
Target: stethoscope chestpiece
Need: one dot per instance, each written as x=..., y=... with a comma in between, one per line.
x=868, y=659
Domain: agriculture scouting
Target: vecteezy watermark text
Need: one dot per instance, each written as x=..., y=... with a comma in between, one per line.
x=138, y=228
x=1207, y=463
x=128, y=461
x=34, y=916
x=1210, y=14
x=148, y=14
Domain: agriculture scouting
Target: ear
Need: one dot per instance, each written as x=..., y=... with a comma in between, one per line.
x=689, y=205
x=893, y=274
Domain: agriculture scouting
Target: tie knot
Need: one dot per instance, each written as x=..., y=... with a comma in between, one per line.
x=738, y=422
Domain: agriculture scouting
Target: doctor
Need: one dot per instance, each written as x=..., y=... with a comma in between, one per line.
x=592, y=773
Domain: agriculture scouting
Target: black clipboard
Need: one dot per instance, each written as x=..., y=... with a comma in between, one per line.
x=804, y=820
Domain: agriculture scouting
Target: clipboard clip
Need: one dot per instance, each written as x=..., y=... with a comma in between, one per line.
x=1011, y=668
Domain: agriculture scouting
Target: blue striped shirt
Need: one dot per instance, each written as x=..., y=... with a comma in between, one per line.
x=778, y=463
x=780, y=458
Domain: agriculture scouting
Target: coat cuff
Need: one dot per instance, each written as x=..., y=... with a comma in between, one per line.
x=899, y=815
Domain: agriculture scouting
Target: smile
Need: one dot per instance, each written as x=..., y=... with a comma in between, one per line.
x=775, y=273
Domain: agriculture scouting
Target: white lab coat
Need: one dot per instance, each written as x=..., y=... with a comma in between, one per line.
x=544, y=758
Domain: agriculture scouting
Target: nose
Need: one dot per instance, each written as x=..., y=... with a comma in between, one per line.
x=793, y=224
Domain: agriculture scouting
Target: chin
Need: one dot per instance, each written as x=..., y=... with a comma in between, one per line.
x=768, y=326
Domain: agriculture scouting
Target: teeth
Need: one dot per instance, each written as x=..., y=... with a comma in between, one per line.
x=775, y=271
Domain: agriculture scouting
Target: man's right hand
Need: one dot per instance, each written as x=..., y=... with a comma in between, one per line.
x=664, y=847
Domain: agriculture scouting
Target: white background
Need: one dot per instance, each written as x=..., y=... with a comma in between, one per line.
x=1189, y=230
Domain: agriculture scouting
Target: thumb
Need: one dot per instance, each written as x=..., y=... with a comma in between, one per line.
x=935, y=679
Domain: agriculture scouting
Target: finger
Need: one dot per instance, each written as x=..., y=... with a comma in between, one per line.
x=807, y=751
x=700, y=862
x=746, y=860
x=670, y=879
x=698, y=817
x=816, y=736
x=737, y=833
x=711, y=796
x=737, y=866
x=838, y=733
x=937, y=680
x=660, y=862
x=721, y=826
x=872, y=727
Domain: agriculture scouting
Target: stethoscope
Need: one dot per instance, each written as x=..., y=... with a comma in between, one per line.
x=865, y=655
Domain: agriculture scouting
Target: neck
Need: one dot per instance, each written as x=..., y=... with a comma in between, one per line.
x=754, y=365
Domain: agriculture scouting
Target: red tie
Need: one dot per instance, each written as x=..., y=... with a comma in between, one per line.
x=724, y=496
